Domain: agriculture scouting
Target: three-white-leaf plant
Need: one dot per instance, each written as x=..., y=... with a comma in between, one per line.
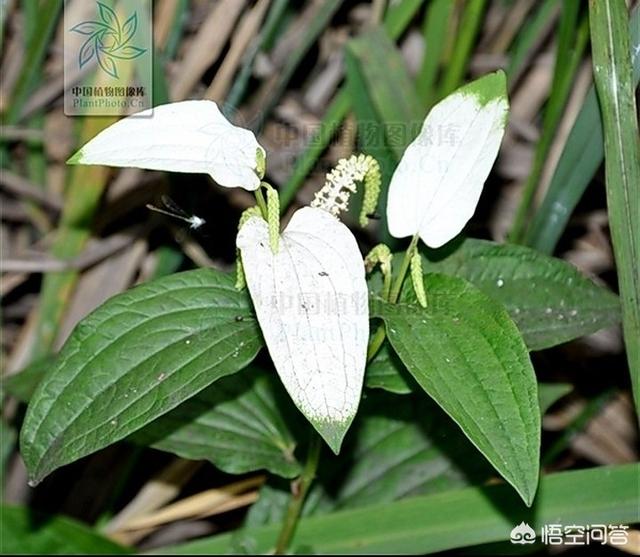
x=307, y=284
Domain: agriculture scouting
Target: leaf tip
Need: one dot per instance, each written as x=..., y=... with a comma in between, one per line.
x=488, y=88
x=76, y=158
x=332, y=432
x=527, y=488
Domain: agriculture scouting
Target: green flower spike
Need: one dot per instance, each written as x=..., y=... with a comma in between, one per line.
x=381, y=254
x=273, y=216
x=417, y=278
x=244, y=217
x=372, y=182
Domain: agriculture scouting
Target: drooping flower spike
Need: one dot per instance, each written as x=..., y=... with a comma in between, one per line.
x=188, y=136
x=436, y=187
x=341, y=183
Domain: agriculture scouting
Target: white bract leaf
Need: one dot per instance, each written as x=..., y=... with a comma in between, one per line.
x=188, y=136
x=312, y=305
x=435, y=188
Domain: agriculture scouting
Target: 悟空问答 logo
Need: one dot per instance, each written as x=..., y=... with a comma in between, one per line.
x=523, y=534
x=108, y=40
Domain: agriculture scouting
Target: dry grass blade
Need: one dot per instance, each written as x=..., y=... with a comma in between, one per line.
x=95, y=252
x=96, y=285
x=206, y=47
x=158, y=491
x=247, y=30
x=22, y=187
x=207, y=503
x=164, y=20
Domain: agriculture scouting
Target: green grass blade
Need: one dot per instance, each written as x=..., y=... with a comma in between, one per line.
x=48, y=12
x=85, y=187
x=528, y=38
x=466, y=34
x=615, y=87
x=453, y=519
x=582, y=156
x=386, y=105
x=436, y=24
x=571, y=44
x=399, y=15
x=172, y=43
x=25, y=531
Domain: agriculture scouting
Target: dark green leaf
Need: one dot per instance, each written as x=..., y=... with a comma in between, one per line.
x=25, y=532
x=550, y=393
x=22, y=385
x=468, y=355
x=8, y=436
x=237, y=424
x=402, y=446
x=135, y=358
x=371, y=132
x=550, y=301
x=386, y=371
x=392, y=91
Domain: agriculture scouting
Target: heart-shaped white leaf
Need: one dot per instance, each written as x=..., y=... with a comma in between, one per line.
x=188, y=136
x=311, y=301
x=435, y=188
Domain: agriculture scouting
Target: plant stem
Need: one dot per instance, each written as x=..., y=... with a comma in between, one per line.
x=376, y=342
x=404, y=267
x=300, y=489
x=262, y=203
x=378, y=337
